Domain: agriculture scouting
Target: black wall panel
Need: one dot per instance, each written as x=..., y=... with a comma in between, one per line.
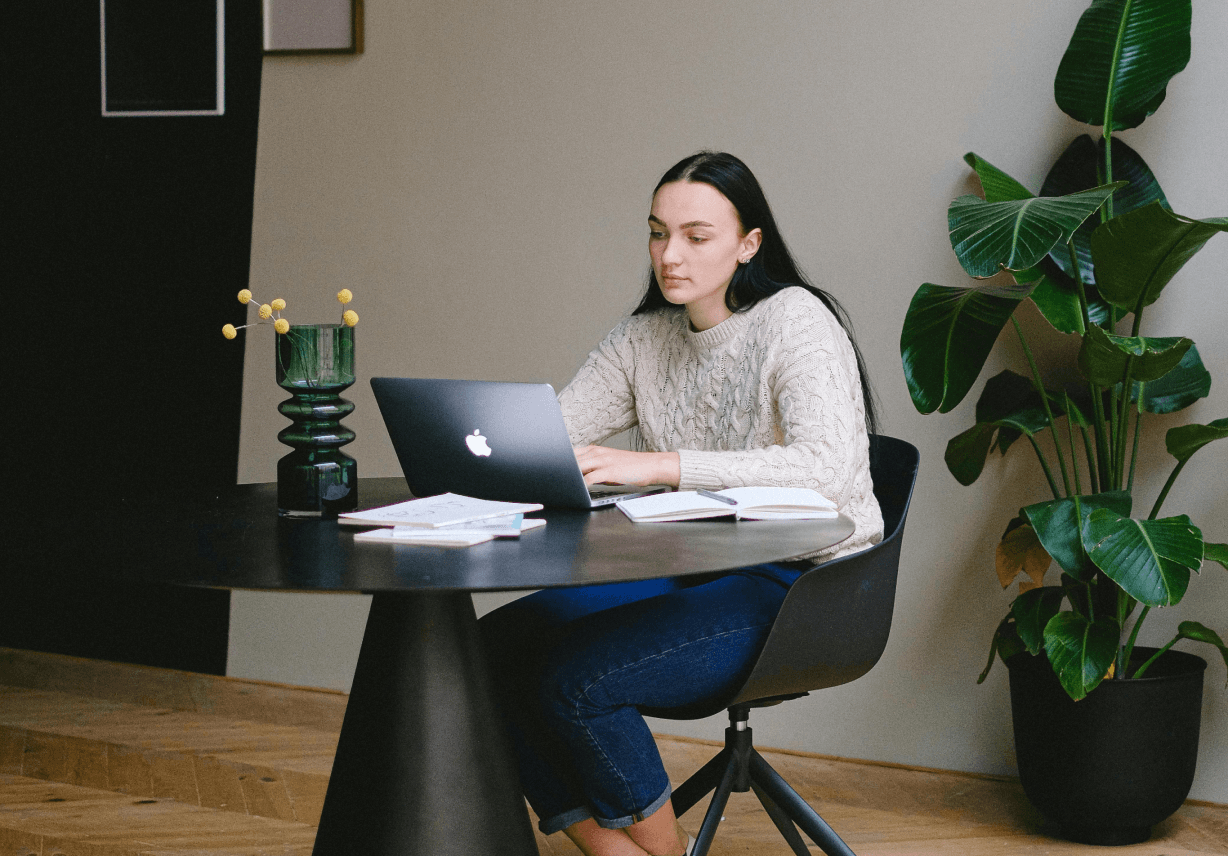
x=127, y=241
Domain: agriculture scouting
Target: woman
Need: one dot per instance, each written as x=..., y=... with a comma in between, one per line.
x=732, y=371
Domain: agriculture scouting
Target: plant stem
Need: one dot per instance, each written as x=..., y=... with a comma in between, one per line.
x=1044, y=465
x=1044, y=400
x=1074, y=455
x=1085, y=318
x=1085, y=322
x=1106, y=212
x=1138, y=431
x=1155, y=509
x=1142, y=389
x=1092, y=474
x=1123, y=421
x=1125, y=655
x=1139, y=672
x=1114, y=437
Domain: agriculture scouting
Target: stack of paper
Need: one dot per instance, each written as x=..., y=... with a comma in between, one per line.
x=463, y=535
x=447, y=520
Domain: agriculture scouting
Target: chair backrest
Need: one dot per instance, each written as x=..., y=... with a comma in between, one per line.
x=833, y=625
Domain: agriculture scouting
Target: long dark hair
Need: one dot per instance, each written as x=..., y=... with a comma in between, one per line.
x=769, y=270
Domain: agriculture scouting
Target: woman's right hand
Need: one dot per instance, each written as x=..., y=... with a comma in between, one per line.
x=603, y=465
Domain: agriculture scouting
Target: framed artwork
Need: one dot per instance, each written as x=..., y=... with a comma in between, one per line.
x=163, y=59
x=312, y=26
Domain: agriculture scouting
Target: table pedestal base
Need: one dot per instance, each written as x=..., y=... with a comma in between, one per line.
x=423, y=765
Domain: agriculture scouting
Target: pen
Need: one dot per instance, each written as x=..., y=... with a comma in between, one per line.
x=717, y=497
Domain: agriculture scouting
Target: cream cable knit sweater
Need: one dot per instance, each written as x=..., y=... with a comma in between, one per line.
x=769, y=396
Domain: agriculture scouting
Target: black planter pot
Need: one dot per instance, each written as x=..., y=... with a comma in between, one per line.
x=1109, y=767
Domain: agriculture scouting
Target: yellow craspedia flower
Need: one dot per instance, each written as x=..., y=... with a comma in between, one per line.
x=266, y=311
x=345, y=296
x=278, y=304
x=229, y=331
x=350, y=317
x=281, y=325
x=245, y=296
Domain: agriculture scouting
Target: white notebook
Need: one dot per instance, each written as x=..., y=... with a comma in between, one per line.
x=748, y=503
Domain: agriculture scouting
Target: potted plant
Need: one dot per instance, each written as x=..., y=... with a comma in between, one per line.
x=1091, y=252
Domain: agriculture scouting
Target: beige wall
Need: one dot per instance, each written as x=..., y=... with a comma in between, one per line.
x=480, y=178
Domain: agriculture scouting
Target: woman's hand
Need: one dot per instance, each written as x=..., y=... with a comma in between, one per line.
x=603, y=465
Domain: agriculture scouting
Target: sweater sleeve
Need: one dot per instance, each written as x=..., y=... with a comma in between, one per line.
x=819, y=411
x=599, y=401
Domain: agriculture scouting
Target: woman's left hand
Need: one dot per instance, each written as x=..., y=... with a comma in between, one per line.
x=603, y=465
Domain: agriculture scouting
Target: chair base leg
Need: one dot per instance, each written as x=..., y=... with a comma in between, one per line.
x=797, y=809
x=738, y=767
x=701, y=783
x=782, y=820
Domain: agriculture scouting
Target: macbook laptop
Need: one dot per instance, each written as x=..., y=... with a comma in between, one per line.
x=492, y=440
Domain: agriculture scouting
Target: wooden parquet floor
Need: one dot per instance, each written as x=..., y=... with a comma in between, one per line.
x=102, y=759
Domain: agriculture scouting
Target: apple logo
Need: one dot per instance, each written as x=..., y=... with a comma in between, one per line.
x=477, y=444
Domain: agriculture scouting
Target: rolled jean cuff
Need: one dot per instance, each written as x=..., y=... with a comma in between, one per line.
x=559, y=822
x=620, y=822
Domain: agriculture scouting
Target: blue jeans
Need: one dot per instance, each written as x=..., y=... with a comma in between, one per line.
x=572, y=668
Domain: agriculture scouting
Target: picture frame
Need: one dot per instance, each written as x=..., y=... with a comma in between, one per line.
x=163, y=59
x=299, y=27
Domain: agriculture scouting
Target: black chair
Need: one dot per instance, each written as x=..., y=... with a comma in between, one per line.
x=831, y=629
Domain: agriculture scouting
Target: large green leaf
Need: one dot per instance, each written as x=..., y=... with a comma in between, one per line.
x=997, y=185
x=1103, y=356
x=1032, y=611
x=1182, y=441
x=1138, y=253
x=1081, y=167
x=1150, y=559
x=1059, y=526
x=1009, y=407
x=1015, y=234
x=967, y=451
x=1057, y=297
x=1178, y=389
x=1059, y=305
x=1081, y=651
x=947, y=336
x=1010, y=401
x=1120, y=58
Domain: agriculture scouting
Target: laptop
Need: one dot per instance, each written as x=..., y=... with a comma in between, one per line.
x=490, y=440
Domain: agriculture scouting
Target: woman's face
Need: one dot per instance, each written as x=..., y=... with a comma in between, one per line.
x=696, y=241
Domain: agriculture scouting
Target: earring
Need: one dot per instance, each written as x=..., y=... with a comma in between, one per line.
x=743, y=261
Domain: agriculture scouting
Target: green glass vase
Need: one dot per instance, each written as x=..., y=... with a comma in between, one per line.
x=315, y=362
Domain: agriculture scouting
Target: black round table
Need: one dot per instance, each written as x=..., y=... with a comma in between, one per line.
x=423, y=765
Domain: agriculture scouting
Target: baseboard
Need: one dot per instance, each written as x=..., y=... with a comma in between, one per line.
x=240, y=698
